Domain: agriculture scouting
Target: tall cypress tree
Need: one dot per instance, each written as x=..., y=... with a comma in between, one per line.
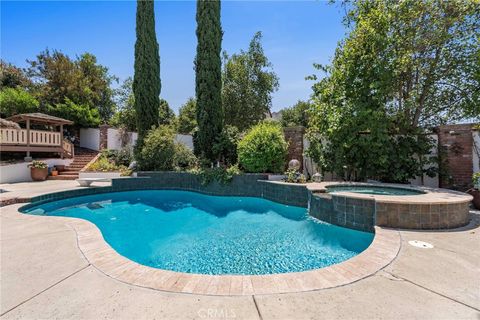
x=208, y=81
x=146, y=80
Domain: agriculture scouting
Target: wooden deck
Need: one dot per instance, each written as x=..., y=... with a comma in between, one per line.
x=25, y=140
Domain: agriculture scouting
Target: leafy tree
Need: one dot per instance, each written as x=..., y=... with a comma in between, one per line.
x=248, y=84
x=263, y=149
x=404, y=67
x=166, y=114
x=296, y=115
x=208, y=77
x=81, y=114
x=187, y=121
x=146, y=80
x=16, y=100
x=125, y=116
x=12, y=77
x=56, y=77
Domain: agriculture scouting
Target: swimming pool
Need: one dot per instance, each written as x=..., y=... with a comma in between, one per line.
x=378, y=190
x=195, y=233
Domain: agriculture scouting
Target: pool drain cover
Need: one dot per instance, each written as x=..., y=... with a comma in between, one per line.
x=420, y=244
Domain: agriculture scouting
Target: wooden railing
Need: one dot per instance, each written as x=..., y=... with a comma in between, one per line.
x=37, y=137
x=13, y=136
x=45, y=138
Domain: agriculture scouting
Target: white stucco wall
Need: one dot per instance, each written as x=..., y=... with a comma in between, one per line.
x=186, y=139
x=20, y=172
x=114, y=141
x=90, y=138
x=428, y=181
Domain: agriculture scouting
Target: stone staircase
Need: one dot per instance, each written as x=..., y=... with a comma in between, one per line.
x=81, y=159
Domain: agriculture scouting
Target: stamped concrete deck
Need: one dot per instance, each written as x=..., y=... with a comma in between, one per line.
x=45, y=275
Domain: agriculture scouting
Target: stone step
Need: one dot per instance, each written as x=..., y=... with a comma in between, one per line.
x=62, y=177
x=68, y=173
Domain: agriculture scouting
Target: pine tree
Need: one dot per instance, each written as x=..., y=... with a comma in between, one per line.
x=208, y=81
x=146, y=80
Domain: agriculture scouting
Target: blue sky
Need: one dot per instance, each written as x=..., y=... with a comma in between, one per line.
x=295, y=35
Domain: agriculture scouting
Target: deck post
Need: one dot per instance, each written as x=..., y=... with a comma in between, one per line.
x=61, y=140
x=28, y=157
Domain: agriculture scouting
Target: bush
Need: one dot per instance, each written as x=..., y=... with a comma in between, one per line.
x=103, y=164
x=227, y=145
x=123, y=156
x=38, y=164
x=158, y=150
x=106, y=163
x=219, y=174
x=263, y=149
x=184, y=158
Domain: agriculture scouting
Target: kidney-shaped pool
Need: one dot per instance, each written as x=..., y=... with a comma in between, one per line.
x=196, y=233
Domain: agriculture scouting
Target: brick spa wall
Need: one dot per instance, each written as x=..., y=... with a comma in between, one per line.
x=289, y=194
x=347, y=212
x=456, y=147
x=294, y=137
x=422, y=216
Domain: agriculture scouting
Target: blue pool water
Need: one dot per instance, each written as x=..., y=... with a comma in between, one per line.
x=195, y=233
x=380, y=190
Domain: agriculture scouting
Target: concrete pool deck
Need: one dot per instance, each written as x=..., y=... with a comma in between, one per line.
x=45, y=275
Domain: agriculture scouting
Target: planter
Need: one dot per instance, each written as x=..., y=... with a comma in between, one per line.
x=476, y=197
x=60, y=167
x=39, y=174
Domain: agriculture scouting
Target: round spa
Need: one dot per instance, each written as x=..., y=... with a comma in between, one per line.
x=374, y=189
x=364, y=205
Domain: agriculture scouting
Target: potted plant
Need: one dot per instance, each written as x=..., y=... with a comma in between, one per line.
x=60, y=167
x=54, y=171
x=475, y=191
x=38, y=170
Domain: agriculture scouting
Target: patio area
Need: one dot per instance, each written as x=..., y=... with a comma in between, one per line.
x=45, y=275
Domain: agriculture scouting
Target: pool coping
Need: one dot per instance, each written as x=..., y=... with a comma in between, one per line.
x=434, y=196
x=381, y=252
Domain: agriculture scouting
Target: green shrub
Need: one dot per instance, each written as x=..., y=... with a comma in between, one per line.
x=103, y=164
x=227, y=145
x=158, y=150
x=38, y=164
x=183, y=158
x=219, y=174
x=263, y=149
x=293, y=176
x=123, y=156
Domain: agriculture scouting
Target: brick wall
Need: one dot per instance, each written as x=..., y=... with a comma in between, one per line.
x=294, y=137
x=103, y=137
x=455, y=143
